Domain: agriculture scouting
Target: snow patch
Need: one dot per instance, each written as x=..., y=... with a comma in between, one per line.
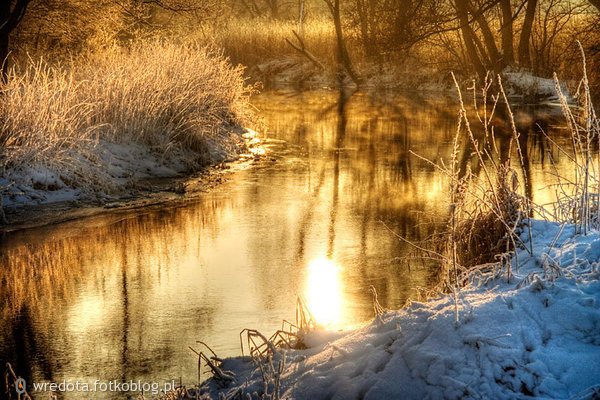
x=522, y=83
x=537, y=335
x=120, y=167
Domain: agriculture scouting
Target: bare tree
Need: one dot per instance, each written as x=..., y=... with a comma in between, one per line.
x=342, y=51
x=507, y=32
x=257, y=8
x=552, y=17
x=525, y=37
x=367, y=12
x=396, y=26
x=301, y=17
x=480, y=40
x=469, y=37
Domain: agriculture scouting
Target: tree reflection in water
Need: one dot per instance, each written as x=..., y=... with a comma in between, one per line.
x=122, y=295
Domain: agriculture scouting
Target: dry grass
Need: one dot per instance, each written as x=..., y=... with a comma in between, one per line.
x=488, y=209
x=578, y=198
x=168, y=97
x=488, y=230
x=44, y=121
x=488, y=212
x=255, y=41
x=161, y=94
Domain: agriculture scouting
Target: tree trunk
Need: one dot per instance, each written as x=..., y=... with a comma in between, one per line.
x=373, y=28
x=363, y=23
x=488, y=37
x=483, y=55
x=469, y=37
x=4, y=51
x=4, y=35
x=274, y=8
x=507, y=32
x=342, y=51
x=301, y=12
x=524, y=56
x=367, y=20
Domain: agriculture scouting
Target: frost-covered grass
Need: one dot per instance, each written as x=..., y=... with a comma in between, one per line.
x=158, y=108
x=252, y=42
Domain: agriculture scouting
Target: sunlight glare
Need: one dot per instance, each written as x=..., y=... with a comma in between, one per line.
x=324, y=292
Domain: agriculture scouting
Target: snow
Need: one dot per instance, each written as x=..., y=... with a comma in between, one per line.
x=535, y=335
x=522, y=83
x=119, y=168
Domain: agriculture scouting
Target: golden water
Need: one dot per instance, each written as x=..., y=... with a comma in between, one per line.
x=121, y=296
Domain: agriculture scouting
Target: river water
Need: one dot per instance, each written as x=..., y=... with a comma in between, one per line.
x=122, y=296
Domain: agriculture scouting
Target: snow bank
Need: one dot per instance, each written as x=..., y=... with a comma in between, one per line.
x=123, y=168
x=520, y=83
x=537, y=335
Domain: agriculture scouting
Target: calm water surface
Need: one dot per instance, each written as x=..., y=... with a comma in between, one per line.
x=122, y=296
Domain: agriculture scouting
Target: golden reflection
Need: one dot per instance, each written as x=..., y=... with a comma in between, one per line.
x=324, y=292
x=90, y=313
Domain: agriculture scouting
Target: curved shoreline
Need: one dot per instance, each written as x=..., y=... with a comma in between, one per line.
x=151, y=192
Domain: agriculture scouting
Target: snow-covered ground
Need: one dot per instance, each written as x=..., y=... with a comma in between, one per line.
x=120, y=170
x=536, y=335
x=296, y=71
x=522, y=83
x=299, y=72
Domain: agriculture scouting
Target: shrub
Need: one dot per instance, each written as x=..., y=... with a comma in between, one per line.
x=167, y=97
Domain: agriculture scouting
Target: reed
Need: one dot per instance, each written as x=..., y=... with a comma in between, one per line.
x=578, y=198
x=255, y=41
x=488, y=210
x=167, y=97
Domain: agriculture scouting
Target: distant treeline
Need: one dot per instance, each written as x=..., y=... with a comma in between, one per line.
x=469, y=36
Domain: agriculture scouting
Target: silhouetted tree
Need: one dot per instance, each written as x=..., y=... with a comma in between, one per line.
x=525, y=37
x=258, y=8
x=481, y=39
x=343, y=56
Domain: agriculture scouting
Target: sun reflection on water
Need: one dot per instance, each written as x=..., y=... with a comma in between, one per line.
x=324, y=292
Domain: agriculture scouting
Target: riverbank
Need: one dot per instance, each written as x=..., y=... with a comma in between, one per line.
x=116, y=124
x=535, y=334
x=30, y=208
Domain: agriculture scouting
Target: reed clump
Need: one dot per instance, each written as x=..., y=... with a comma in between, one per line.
x=161, y=94
x=577, y=196
x=489, y=211
x=490, y=228
x=487, y=208
x=259, y=40
x=170, y=98
x=45, y=122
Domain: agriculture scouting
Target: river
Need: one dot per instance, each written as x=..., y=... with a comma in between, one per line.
x=121, y=296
